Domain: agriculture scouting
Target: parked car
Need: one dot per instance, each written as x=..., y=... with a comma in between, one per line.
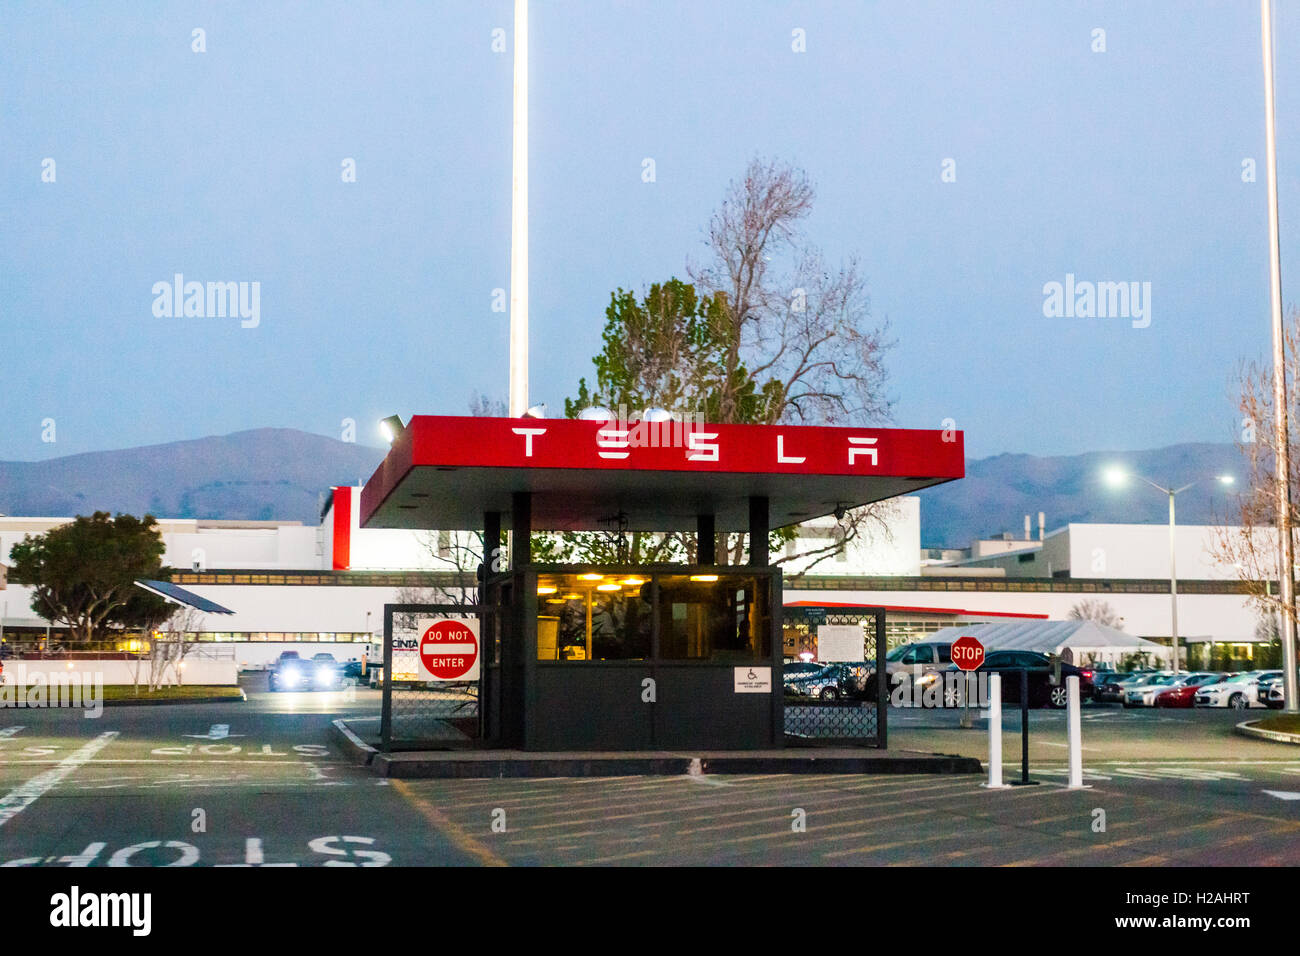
x=916, y=661
x=848, y=681
x=1043, y=690
x=1238, y=691
x=1184, y=694
x=1106, y=689
x=1144, y=694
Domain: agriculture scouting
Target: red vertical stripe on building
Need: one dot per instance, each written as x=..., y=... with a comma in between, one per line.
x=342, y=528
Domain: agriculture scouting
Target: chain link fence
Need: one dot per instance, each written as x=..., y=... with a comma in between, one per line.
x=839, y=703
x=418, y=714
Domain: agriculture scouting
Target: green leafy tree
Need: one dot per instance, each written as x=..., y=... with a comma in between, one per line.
x=82, y=573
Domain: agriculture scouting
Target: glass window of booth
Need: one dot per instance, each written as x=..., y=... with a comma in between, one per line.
x=714, y=618
x=593, y=617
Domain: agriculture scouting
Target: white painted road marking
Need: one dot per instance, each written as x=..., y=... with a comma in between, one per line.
x=215, y=732
x=28, y=793
x=11, y=732
x=1283, y=794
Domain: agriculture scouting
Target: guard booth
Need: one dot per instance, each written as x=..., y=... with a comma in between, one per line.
x=621, y=656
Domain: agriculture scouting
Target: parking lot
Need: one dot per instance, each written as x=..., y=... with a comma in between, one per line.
x=265, y=783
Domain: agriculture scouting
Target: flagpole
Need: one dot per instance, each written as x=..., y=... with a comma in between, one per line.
x=519, y=222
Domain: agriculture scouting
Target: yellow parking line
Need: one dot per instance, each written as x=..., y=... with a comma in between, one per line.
x=459, y=838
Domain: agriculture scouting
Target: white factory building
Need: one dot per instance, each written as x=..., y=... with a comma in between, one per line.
x=289, y=583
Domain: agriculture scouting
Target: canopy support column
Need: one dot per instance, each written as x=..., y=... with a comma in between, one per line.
x=758, y=526
x=521, y=528
x=706, y=546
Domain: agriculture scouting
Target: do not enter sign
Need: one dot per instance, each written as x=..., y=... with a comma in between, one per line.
x=967, y=653
x=448, y=649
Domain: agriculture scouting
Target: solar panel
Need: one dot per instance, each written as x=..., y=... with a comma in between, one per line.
x=178, y=595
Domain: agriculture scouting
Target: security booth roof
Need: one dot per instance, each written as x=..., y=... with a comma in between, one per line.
x=445, y=472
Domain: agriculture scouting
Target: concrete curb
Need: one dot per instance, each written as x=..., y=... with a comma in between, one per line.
x=485, y=765
x=357, y=749
x=176, y=701
x=1247, y=729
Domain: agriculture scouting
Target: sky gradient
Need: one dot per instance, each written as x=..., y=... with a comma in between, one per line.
x=376, y=296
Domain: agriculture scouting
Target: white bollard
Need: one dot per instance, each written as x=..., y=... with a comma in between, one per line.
x=1076, y=733
x=995, y=734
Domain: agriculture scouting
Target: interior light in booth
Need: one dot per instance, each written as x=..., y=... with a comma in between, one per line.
x=704, y=577
x=633, y=582
x=572, y=597
x=591, y=577
x=546, y=589
x=609, y=587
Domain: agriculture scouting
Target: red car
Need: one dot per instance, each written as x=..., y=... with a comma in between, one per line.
x=1185, y=696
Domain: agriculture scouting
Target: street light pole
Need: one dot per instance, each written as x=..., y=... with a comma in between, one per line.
x=1281, y=437
x=1173, y=582
x=1116, y=476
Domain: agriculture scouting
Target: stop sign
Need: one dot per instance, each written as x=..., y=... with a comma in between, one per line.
x=967, y=653
x=448, y=650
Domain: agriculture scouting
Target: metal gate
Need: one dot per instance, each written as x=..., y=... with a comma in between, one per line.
x=841, y=704
x=425, y=715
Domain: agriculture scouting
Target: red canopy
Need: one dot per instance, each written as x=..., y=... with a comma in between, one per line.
x=445, y=472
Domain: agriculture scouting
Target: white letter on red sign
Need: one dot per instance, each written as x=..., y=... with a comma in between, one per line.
x=612, y=438
x=854, y=452
x=528, y=434
x=784, y=459
x=704, y=450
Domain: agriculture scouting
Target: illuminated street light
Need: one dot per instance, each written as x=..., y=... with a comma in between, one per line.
x=391, y=428
x=1116, y=476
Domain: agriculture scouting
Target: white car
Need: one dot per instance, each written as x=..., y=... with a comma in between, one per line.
x=1239, y=692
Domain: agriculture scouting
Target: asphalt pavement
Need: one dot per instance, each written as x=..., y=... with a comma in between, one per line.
x=264, y=782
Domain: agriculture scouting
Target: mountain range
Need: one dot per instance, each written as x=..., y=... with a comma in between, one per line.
x=280, y=473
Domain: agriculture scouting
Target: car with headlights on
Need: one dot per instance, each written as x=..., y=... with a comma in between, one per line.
x=292, y=672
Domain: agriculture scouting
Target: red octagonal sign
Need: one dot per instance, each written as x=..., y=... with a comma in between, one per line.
x=449, y=650
x=967, y=653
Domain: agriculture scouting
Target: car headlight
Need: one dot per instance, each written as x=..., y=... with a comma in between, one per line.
x=291, y=676
x=324, y=673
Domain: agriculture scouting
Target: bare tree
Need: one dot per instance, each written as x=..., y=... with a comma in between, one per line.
x=480, y=406
x=801, y=345
x=1097, y=611
x=1250, y=543
x=167, y=649
x=795, y=326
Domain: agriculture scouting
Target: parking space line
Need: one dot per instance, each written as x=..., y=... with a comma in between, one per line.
x=452, y=831
x=28, y=793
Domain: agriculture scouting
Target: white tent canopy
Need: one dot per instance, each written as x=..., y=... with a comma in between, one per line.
x=1072, y=640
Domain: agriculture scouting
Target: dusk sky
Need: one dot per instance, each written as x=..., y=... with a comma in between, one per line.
x=376, y=296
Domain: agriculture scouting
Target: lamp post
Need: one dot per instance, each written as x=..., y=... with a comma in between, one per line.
x=1117, y=477
x=1281, y=439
